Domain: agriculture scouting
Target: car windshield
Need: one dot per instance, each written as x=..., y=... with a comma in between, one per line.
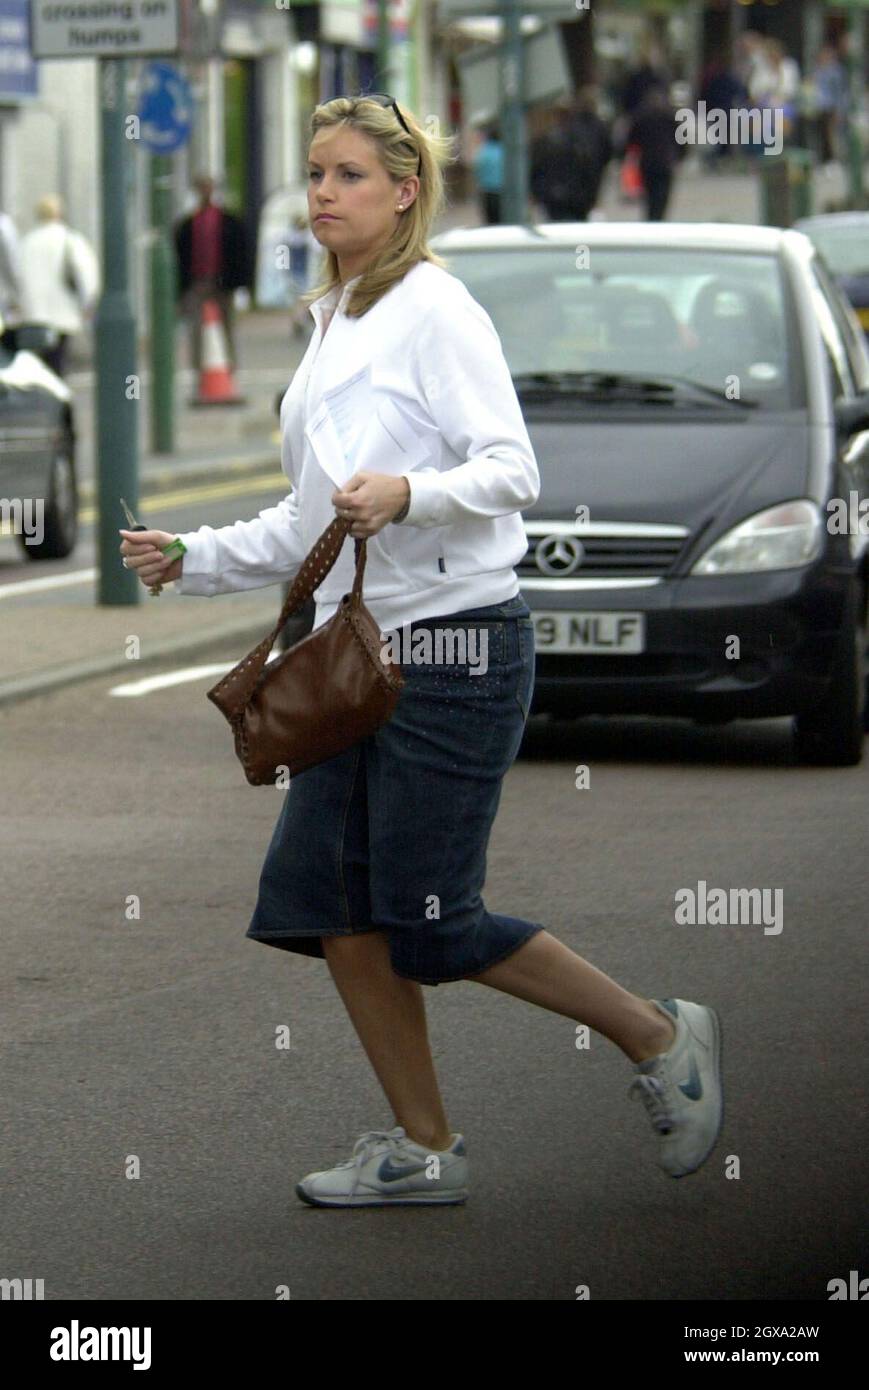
x=845, y=249
x=711, y=320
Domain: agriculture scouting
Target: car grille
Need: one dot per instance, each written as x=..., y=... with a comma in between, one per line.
x=600, y=550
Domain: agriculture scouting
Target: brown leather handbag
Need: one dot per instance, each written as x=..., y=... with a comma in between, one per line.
x=326, y=692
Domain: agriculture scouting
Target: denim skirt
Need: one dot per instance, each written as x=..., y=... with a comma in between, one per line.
x=391, y=835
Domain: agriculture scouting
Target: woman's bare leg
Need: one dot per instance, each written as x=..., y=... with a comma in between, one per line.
x=388, y=1013
x=546, y=972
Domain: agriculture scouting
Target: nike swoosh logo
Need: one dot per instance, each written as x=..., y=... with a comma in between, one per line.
x=692, y=1088
x=389, y=1173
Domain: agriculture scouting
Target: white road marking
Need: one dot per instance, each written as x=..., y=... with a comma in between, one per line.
x=148, y=684
x=51, y=581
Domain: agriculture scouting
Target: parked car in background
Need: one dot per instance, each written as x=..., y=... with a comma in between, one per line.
x=698, y=400
x=38, y=485
x=843, y=240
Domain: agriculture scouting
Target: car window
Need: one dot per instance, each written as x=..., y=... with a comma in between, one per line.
x=848, y=326
x=844, y=248
x=709, y=317
x=839, y=388
x=823, y=302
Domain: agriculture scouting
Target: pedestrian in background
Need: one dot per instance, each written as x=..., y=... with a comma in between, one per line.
x=213, y=262
x=304, y=252
x=748, y=55
x=649, y=75
x=378, y=858
x=10, y=272
x=488, y=166
x=60, y=279
x=829, y=87
x=774, y=85
x=558, y=175
x=720, y=90
x=593, y=145
x=653, y=131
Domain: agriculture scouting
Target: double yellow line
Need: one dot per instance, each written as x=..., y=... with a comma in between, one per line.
x=205, y=492
x=181, y=497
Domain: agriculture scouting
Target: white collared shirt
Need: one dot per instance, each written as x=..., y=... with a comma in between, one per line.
x=446, y=417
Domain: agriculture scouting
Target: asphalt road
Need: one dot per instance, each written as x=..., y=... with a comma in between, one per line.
x=154, y=1038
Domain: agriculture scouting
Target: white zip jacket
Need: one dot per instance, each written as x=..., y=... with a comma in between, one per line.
x=45, y=297
x=443, y=413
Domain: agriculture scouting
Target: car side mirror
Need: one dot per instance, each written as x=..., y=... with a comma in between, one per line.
x=852, y=416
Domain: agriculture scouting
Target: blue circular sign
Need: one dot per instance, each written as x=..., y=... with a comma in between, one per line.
x=165, y=108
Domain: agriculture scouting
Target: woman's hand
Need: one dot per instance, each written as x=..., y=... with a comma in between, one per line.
x=370, y=501
x=143, y=553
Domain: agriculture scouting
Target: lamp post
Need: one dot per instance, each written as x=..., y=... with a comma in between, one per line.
x=383, y=45
x=855, y=102
x=115, y=335
x=512, y=83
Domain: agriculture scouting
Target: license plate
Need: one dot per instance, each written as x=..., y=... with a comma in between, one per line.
x=618, y=634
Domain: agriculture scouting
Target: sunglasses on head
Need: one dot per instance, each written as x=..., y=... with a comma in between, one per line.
x=384, y=99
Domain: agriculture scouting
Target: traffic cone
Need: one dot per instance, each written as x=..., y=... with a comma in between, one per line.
x=216, y=384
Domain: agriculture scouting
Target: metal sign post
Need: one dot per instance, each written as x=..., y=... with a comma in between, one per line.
x=512, y=85
x=134, y=29
x=165, y=123
x=115, y=330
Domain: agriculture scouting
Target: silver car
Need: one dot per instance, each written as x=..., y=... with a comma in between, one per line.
x=38, y=487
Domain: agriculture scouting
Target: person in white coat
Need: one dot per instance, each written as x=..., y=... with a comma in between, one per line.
x=60, y=279
x=403, y=419
x=10, y=271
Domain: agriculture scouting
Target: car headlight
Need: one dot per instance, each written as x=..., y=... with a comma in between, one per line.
x=780, y=538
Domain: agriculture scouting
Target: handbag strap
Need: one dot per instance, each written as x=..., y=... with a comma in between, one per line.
x=237, y=686
x=317, y=565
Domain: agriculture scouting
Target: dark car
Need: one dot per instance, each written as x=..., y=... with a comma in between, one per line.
x=843, y=240
x=698, y=401
x=38, y=489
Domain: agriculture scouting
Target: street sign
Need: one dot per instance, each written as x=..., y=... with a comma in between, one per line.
x=17, y=68
x=550, y=9
x=85, y=29
x=165, y=109
x=546, y=73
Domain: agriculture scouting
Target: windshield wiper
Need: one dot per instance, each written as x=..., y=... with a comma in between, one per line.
x=663, y=390
x=684, y=383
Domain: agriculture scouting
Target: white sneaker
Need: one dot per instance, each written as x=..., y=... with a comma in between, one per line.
x=388, y=1169
x=682, y=1088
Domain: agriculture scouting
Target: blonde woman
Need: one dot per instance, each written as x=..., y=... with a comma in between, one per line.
x=402, y=417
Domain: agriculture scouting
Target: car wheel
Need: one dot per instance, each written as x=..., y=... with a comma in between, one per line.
x=61, y=510
x=832, y=732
